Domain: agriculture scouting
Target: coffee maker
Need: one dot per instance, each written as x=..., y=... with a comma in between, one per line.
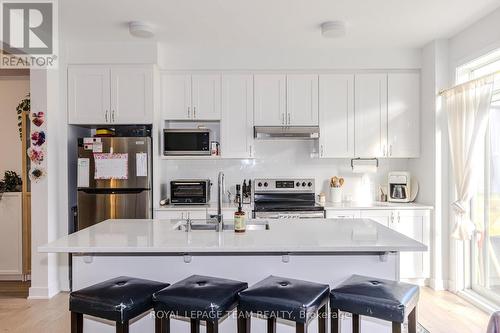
x=398, y=185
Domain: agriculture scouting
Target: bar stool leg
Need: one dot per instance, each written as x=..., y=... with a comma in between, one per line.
x=243, y=322
x=322, y=319
x=300, y=328
x=76, y=322
x=195, y=326
x=212, y=327
x=122, y=327
x=335, y=320
x=412, y=321
x=271, y=325
x=355, y=323
x=396, y=327
x=162, y=324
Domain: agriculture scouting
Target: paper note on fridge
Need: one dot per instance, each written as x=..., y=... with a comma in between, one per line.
x=141, y=164
x=111, y=166
x=83, y=172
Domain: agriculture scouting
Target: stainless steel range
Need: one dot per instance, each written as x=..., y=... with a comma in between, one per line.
x=286, y=198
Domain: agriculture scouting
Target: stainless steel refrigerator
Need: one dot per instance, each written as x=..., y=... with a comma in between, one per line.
x=114, y=179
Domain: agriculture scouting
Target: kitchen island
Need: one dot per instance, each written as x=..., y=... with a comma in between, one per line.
x=321, y=250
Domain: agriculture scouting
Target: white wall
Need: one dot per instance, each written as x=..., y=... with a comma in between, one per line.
x=282, y=58
x=279, y=159
x=12, y=90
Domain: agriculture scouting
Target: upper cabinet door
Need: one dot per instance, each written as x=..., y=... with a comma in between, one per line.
x=88, y=95
x=206, y=96
x=270, y=100
x=176, y=96
x=302, y=100
x=403, y=114
x=370, y=115
x=132, y=95
x=237, y=116
x=336, y=116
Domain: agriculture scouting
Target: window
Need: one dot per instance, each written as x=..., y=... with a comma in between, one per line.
x=484, y=270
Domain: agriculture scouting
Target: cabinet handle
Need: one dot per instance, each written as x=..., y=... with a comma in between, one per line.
x=384, y=150
x=392, y=217
x=194, y=111
x=288, y=119
x=399, y=217
x=321, y=151
x=283, y=118
x=113, y=115
x=189, y=112
x=390, y=150
x=106, y=115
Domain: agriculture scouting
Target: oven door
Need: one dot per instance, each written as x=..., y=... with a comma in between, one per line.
x=189, y=192
x=186, y=142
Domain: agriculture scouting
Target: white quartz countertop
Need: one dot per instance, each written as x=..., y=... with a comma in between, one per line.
x=328, y=206
x=290, y=236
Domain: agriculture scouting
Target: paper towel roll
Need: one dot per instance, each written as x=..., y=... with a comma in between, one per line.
x=364, y=165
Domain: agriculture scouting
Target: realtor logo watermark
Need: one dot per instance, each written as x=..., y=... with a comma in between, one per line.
x=28, y=34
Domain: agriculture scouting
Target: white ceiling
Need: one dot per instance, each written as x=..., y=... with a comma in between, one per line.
x=273, y=23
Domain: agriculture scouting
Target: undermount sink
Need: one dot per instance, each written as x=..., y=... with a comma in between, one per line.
x=210, y=225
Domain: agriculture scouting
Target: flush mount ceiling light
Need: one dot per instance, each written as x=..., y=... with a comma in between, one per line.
x=333, y=29
x=140, y=29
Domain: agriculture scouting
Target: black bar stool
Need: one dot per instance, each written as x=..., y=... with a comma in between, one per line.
x=198, y=298
x=119, y=300
x=377, y=298
x=289, y=299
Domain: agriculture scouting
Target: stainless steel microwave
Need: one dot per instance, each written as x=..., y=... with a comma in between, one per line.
x=186, y=142
x=190, y=191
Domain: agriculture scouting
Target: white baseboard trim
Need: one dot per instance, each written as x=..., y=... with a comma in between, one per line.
x=42, y=293
x=11, y=277
x=437, y=284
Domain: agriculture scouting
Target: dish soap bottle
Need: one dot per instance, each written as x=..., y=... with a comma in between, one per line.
x=240, y=223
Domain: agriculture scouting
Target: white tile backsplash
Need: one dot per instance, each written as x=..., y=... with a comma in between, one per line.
x=282, y=159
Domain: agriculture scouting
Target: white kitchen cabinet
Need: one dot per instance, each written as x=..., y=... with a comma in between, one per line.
x=403, y=106
x=270, y=100
x=206, y=96
x=342, y=214
x=381, y=216
x=414, y=224
x=370, y=115
x=176, y=96
x=110, y=94
x=237, y=116
x=302, y=100
x=336, y=116
x=89, y=95
x=11, y=241
x=131, y=95
x=191, y=97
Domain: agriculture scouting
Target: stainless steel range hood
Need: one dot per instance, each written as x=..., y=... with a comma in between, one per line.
x=286, y=132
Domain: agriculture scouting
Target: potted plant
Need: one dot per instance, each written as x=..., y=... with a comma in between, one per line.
x=11, y=182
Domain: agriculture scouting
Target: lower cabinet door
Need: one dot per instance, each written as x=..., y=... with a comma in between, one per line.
x=180, y=214
x=380, y=215
x=342, y=214
x=414, y=224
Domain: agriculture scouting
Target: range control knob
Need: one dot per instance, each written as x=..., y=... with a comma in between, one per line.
x=309, y=184
x=298, y=184
x=304, y=184
x=259, y=184
x=265, y=184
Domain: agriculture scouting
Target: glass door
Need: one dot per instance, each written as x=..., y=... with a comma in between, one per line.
x=485, y=247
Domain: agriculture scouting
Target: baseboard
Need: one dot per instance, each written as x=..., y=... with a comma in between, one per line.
x=42, y=293
x=11, y=277
x=437, y=284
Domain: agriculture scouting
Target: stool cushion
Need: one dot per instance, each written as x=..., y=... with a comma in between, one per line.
x=378, y=298
x=119, y=299
x=284, y=298
x=199, y=297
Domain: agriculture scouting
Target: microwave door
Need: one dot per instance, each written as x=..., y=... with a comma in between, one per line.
x=136, y=169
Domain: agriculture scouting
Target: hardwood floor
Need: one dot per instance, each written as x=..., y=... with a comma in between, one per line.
x=439, y=312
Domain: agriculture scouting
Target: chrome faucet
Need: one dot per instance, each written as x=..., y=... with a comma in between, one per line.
x=220, y=194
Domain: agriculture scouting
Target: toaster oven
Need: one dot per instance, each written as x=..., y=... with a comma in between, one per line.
x=190, y=191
